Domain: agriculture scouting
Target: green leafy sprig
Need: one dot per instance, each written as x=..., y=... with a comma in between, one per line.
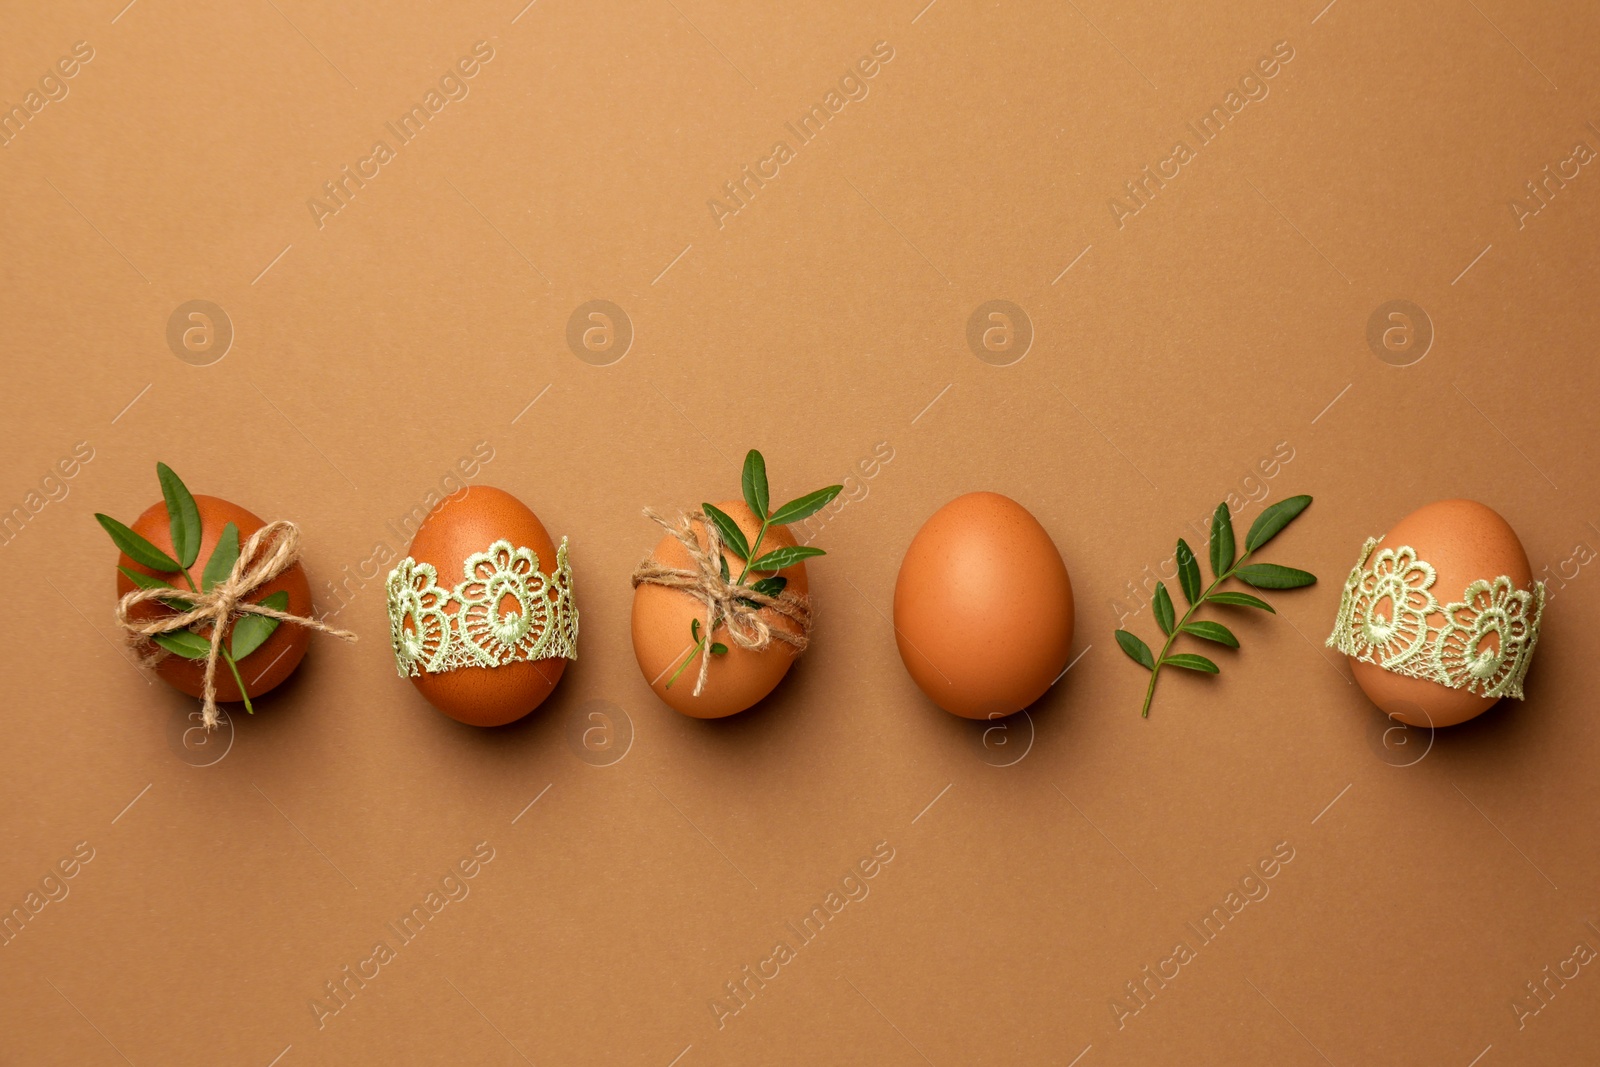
x=754, y=482
x=1223, y=566
x=249, y=631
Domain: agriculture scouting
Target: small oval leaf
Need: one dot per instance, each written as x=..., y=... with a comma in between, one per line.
x=718, y=648
x=1221, y=540
x=1136, y=649
x=1165, y=616
x=144, y=581
x=136, y=547
x=732, y=536
x=754, y=483
x=770, y=586
x=185, y=644
x=806, y=506
x=1241, y=600
x=1188, y=572
x=787, y=556
x=1274, y=519
x=184, y=516
x=1272, y=576
x=1191, y=662
x=223, y=557
x=1211, y=631
x=251, y=631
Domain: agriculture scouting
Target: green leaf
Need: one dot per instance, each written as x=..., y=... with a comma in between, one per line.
x=185, y=644
x=732, y=536
x=722, y=562
x=1211, y=631
x=1191, y=662
x=1165, y=616
x=806, y=506
x=1136, y=649
x=787, y=556
x=755, y=483
x=718, y=648
x=1188, y=572
x=1272, y=576
x=183, y=515
x=144, y=581
x=1242, y=600
x=223, y=557
x=136, y=547
x=694, y=628
x=1221, y=540
x=1274, y=519
x=770, y=586
x=251, y=630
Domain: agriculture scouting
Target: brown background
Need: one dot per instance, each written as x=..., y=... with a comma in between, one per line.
x=827, y=316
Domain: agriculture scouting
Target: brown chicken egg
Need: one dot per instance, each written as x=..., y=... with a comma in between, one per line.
x=1400, y=621
x=266, y=667
x=463, y=525
x=662, y=618
x=983, y=607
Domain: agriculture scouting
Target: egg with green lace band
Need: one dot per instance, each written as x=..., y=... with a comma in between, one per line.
x=1440, y=616
x=481, y=613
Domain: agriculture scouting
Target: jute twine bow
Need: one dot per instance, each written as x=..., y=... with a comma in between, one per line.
x=728, y=603
x=224, y=601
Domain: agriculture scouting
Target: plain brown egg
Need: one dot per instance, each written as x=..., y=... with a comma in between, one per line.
x=1464, y=541
x=983, y=607
x=266, y=667
x=468, y=522
x=661, y=640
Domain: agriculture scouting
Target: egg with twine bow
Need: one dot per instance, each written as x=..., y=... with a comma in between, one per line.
x=721, y=607
x=481, y=613
x=191, y=561
x=1440, y=616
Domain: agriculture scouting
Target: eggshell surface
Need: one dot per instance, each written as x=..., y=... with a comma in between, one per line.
x=983, y=610
x=464, y=523
x=739, y=678
x=1463, y=541
x=277, y=657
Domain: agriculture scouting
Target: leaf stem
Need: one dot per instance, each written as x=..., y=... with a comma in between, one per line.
x=1150, y=690
x=234, y=667
x=693, y=652
x=755, y=549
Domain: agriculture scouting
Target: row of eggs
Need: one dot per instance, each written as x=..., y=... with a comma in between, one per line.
x=983, y=610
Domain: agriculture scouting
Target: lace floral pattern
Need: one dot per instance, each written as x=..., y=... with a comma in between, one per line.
x=1483, y=644
x=506, y=610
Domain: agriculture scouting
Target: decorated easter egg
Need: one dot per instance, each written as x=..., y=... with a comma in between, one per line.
x=1440, y=616
x=669, y=625
x=273, y=660
x=481, y=613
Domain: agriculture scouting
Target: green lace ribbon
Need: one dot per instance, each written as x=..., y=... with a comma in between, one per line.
x=1384, y=613
x=481, y=632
